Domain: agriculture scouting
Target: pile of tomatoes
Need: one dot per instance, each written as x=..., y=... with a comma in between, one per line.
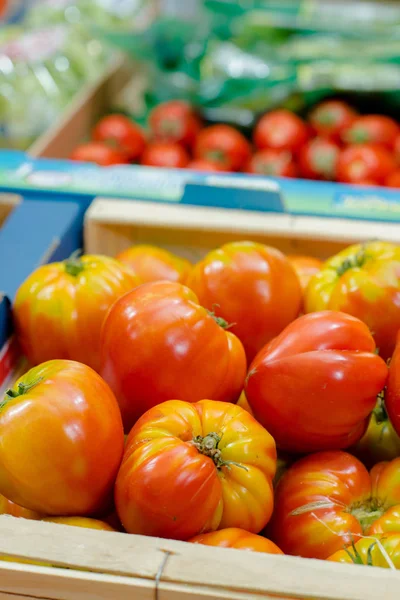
x=251, y=400
x=335, y=143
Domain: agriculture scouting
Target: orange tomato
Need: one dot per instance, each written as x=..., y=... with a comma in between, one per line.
x=305, y=267
x=253, y=287
x=233, y=537
x=368, y=551
x=154, y=264
x=60, y=308
x=193, y=468
x=10, y=508
x=83, y=522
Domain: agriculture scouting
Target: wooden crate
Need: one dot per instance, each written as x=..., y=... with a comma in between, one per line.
x=7, y=204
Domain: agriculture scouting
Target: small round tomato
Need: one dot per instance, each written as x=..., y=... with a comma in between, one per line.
x=150, y=263
x=10, y=508
x=306, y=267
x=121, y=133
x=193, y=468
x=393, y=180
x=224, y=146
x=331, y=117
x=165, y=154
x=158, y=343
x=62, y=416
x=204, y=165
x=175, y=122
x=233, y=537
x=318, y=159
x=68, y=302
x=372, y=129
x=314, y=385
x=83, y=522
x=365, y=162
x=328, y=499
x=280, y=130
x=364, y=281
x=99, y=153
x=252, y=286
x=276, y=163
x=368, y=551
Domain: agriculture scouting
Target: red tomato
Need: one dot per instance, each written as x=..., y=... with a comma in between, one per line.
x=392, y=396
x=83, y=522
x=175, y=122
x=331, y=117
x=252, y=286
x=224, y=146
x=367, y=183
x=276, y=163
x=99, y=153
x=193, y=468
x=68, y=301
x=164, y=154
x=397, y=149
x=204, y=165
x=318, y=159
x=171, y=347
x=10, y=508
x=372, y=129
x=281, y=130
x=328, y=499
x=393, y=180
x=121, y=133
x=314, y=386
x=65, y=418
x=365, y=162
x=232, y=537
x=154, y=264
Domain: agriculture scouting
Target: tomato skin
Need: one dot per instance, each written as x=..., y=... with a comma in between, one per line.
x=63, y=422
x=396, y=148
x=83, y=522
x=188, y=355
x=204, y=165
x=331, y=117
x=69, y=300
x=99, y=153
x=165, y=154
x=10, y=508
x=121, y=133
x=175, y=122
x=392, y=396
x=364, y=281
x=224, y=146
x=372, y=129
x=393, y=180
x=233, y=537
x=367, y=549
x=280, y=130
x=150, y=263
x=306, y=267
x=276, y=163
x=167, y=488
x=318, y=159
x=363, y=162
x=240, y=275
x=301, y=386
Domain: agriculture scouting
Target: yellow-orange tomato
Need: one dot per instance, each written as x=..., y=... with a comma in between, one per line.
x=368, y=551
x=10, y=508
x=306, y=267
x=243, y=403
x=84, y=522
x=363, y=281
x=233, y=537
x=60, y=308
x=150, y=263
x=193, y=468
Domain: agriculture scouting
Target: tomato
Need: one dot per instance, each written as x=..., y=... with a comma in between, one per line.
x=331, y=117
x=83, y=522
x=393, y=180
x=121, y=133
x=99, y=153
x=165, y=154
x=204, y=165
x=158, y=343
x=150, y=263
x=193, y=468
x=396, y=148
x=281, y=130
x=328, y=499
x=318, y=159
x=65, y=418
x=175, y=122
x=392, y=396
x=306, y=267
x=372, y=129
x=233, y=537
x=368, y=551
x=364, y=281
x=314, y=385
x=10, y=508
x=252, y=286
x=68, y=301
x=365, y=162
x=224, y=146
x=276, y=163
x=242, y=402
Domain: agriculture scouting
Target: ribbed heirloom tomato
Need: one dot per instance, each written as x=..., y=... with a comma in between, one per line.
x=368, y=551
x=392, y=395
x=158, y=343
x=328, y=499
x=314, y=386
x=10, y=508
x=233, y=537
x=61, y=440
x=306, y=267
x=60, y=308
x=154, y=264
x=193, y=468
x=363, y=281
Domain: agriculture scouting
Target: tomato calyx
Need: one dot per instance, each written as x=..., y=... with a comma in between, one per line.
x=220, y=321
x=74, y=265
x=208, y=445
x=353, y=262
x=356, y=557
x=22, y=388
x=379, y=412
x=367, y=512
